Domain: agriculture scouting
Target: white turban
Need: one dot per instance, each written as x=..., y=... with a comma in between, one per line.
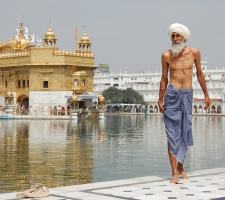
x=181, y=29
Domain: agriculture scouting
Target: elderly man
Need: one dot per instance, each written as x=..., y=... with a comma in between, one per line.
x=177, y=107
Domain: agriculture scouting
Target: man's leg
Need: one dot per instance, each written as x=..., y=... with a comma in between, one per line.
x=173, y=162
x=180, y=168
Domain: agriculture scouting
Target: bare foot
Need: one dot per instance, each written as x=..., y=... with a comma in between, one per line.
x=175, y=178
x=183, y=174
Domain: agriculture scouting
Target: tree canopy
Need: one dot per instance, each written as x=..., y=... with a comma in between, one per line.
x=129, y=96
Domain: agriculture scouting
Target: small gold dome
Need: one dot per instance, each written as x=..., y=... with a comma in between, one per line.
x=9, y=94
x=84, y=38
x=49, y=34
x=74, y=97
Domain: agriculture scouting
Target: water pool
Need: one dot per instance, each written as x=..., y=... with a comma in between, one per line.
x=62, y=152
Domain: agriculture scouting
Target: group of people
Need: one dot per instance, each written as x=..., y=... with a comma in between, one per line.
x=140, y=109
x=201, y=110
x=57, y=110
x=21, y=110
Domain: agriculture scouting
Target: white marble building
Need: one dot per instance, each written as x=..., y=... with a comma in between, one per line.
x=147, y=84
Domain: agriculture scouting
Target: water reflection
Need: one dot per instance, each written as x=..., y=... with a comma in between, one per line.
x=63, y=152
x=55, y=153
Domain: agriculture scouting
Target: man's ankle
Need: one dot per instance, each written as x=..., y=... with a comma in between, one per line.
x=180, y=168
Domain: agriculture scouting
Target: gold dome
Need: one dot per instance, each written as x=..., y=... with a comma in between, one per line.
x=50, y=34
x=74, y=97
x=84, y=38
x=9, y=94
x=18, y=42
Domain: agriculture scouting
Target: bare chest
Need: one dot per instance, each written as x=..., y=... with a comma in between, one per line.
x=183, y=62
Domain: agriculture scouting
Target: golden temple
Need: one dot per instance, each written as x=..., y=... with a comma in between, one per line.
x=38, y=73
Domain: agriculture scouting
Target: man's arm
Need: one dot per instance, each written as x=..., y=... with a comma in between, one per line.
x=164, y=80
x=201, y=77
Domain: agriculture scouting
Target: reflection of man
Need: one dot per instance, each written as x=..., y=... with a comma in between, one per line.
x=177, y=108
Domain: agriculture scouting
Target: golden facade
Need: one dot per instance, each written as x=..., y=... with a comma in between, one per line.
x=26, y=66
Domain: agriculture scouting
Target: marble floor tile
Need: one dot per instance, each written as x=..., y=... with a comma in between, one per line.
x=76, y=194
x=211, y=196
x=154, y=197
x=203, y=188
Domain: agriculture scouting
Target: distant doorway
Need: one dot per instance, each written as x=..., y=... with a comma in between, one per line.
x=23, y=100
x=81, y=104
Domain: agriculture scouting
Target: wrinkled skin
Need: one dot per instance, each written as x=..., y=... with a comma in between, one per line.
x=181, y=73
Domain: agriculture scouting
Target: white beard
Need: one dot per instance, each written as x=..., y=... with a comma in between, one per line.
x=177, y=48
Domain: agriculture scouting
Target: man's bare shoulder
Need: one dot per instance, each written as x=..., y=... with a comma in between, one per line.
x=194, y=50
x=166, y=54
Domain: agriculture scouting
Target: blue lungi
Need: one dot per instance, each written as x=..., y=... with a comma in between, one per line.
x=178, y=120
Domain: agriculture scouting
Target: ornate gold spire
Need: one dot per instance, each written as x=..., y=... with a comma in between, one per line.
x=21, y=29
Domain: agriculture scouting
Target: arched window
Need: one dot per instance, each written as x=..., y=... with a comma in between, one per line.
x=24, y=83
x=19, y=84
x=72, y=106
x=83, y=82
x=75, y=82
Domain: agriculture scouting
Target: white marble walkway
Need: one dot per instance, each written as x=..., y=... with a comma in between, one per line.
x=203, y=184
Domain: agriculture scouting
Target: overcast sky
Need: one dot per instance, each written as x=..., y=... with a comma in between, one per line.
x=125, y=34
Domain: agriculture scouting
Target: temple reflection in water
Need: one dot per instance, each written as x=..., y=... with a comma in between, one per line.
x=55, y=153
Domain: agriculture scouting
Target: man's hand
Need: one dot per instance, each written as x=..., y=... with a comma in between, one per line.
x=161, y=106
x=207, y=103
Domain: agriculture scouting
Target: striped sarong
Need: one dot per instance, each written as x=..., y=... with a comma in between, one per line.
x=178, y=120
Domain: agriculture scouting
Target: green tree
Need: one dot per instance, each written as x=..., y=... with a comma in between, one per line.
x=133, y=97
x=129, y=96
x=113, y=94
